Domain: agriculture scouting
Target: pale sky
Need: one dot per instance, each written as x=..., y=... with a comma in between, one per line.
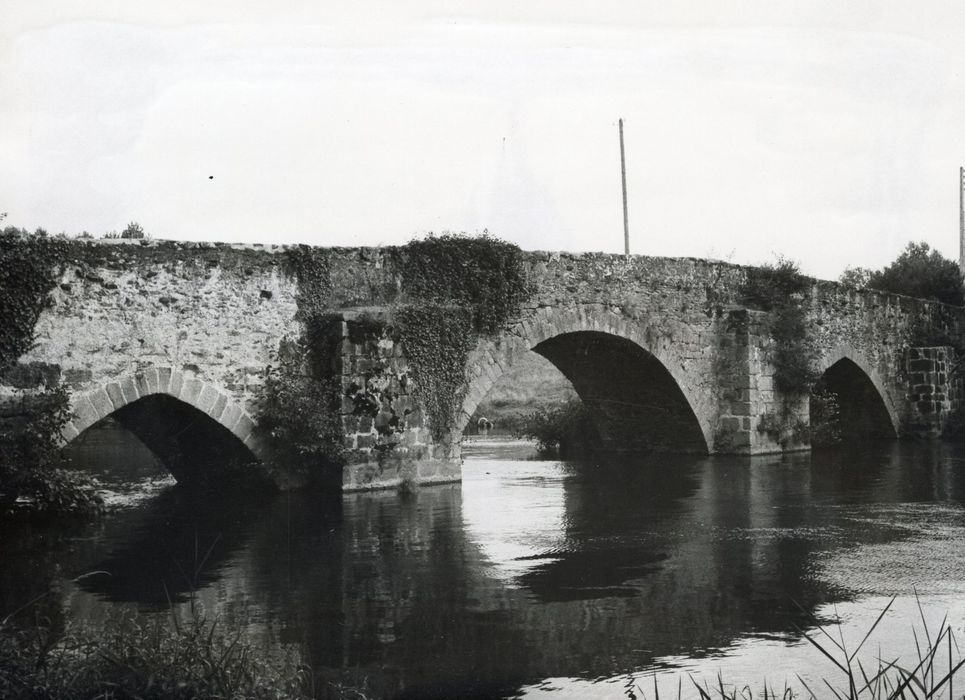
x=829, y=132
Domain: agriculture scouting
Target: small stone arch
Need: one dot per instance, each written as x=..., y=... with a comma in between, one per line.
x=492, y=358
x=848, y=352
x=91, y=406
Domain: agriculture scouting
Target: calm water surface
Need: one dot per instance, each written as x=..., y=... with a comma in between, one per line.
x=531, y=577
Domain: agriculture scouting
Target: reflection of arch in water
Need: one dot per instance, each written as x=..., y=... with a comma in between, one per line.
x=185, y=421
x=867, y=408
x=172, y=546
x=629, y=374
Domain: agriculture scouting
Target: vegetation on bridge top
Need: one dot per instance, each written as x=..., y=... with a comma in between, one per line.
x=781, y=289
x=454, y=290
x=918, y=272
x=457, y=289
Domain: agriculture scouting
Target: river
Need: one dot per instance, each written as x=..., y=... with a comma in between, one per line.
x=536, y=578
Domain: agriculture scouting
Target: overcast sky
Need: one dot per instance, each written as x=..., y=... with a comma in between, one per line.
x=831, y=133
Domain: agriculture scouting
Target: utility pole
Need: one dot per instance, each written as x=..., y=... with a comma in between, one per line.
x=626, y=221
x=961, y=221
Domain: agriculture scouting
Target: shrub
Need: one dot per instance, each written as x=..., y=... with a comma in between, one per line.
x=923, y=273
x=772, y=285
x=33, y=479
x=133, y=230
x=565, y=428
x=482, y=273
x=855, y=277
x=130, y=656
x=825, y=413
x=299, y=415
x=780, y=288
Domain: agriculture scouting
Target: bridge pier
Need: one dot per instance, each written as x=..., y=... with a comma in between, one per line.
x=753, y=416
x=387, y=438
x=935, y=390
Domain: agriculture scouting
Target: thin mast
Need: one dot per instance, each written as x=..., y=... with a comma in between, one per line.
x=961, y=221
x=623, y=175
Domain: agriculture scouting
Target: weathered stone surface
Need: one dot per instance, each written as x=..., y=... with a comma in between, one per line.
x=669, y=333
x=207, y=397
x=116, y=396
x=101, y=402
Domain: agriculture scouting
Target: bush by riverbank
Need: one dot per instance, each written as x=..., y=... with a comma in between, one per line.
x=34, y=480
x=132, y=656
x=565, y=429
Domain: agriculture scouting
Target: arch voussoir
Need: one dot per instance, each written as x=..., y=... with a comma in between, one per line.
x=490, y=360
x=100, y=402
x=846, y=351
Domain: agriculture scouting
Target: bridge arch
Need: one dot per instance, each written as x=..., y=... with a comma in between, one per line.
x=867, y=406
x=144, y=400
x=647, y=351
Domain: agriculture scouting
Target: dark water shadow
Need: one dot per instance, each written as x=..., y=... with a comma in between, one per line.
x=178, y=542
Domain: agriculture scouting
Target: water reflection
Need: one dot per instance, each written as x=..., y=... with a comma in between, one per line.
x=177, y=543
x=532, y=570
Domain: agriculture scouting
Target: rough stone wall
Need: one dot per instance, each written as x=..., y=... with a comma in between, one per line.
x=675, y=309
x=934, y=389
x=199, y=322
x=194, y=321
x=745, y=390
x=387, y=441
x=689, y=314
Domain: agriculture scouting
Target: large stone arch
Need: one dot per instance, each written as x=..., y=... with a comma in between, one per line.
x=93, y=405
x=492, y=357
x=857, y=358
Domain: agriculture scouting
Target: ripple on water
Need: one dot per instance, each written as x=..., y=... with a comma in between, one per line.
x=928, y=559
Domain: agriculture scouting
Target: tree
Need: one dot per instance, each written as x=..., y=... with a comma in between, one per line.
x=133, y=230
x=856, y=277
x=923, y=273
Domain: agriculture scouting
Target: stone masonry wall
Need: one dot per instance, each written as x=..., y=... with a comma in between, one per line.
x=935, y=391
x=200, y=321
x=196, y=321
x=387, y=441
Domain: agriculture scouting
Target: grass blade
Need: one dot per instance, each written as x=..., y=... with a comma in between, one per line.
x=872, y=629
x=824, y=651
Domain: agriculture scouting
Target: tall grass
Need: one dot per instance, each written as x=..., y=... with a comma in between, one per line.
x=930, y=674
x=150, y=657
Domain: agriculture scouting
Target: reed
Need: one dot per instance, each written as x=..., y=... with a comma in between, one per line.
x=930, y=674
x=152, y=657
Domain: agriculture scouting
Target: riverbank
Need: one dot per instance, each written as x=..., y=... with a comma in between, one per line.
x=133, y=656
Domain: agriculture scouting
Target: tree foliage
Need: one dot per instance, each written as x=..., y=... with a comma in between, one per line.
x=922, y=273
x=856, y=277
x=133, y=230
x=34, y=479
x=298, y=413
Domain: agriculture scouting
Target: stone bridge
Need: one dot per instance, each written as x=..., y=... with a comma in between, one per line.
x=173, y=340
